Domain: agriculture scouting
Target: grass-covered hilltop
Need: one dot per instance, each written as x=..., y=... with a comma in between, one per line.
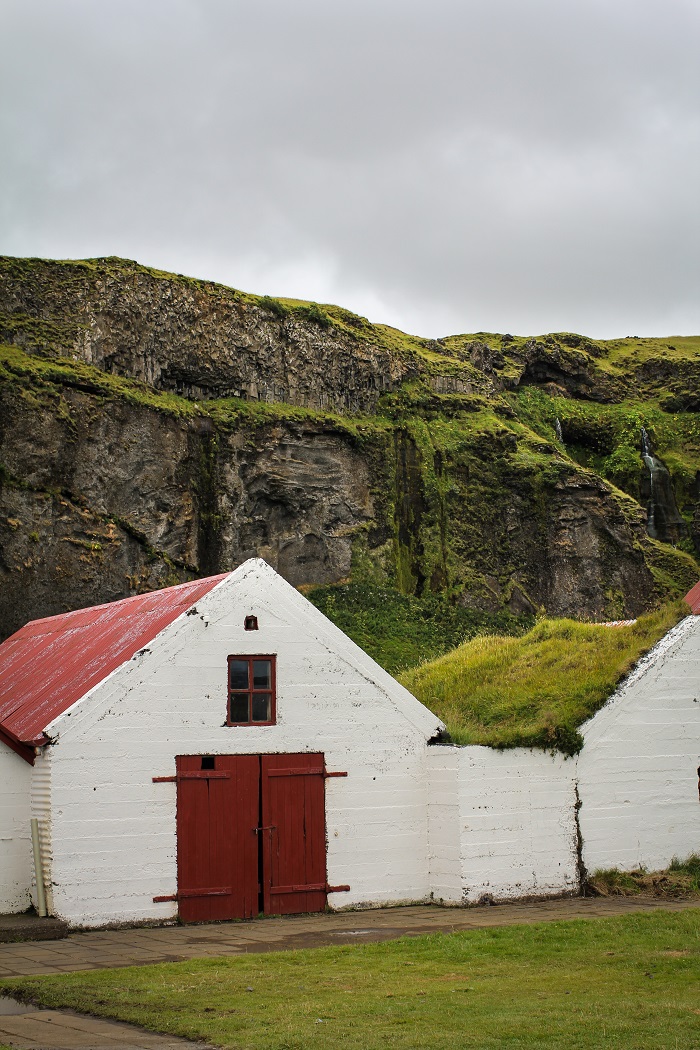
x=154, y=428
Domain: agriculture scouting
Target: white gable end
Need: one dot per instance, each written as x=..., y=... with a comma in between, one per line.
x=638, y=770
x=171, y=700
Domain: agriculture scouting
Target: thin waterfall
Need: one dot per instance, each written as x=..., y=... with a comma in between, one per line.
x=557, y=430
x=664, y=521
x=651, y=503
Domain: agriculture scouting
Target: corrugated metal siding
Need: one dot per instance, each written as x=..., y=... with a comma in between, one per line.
x=693, y=598
x=49, y=664
x=41, y=809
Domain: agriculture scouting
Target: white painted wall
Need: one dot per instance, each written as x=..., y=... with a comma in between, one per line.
x=112, y=834
x=515, y=815
x=638, y=778
x=16, y=872
x=444, y=825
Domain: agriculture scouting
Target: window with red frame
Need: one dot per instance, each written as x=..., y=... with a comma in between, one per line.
x=251, y=691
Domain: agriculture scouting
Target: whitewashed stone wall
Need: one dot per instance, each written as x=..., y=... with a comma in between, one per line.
x=638, y=771
x=513, y=815
x=15, y=835
x=113, y=835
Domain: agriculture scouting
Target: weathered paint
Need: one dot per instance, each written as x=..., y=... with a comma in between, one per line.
x=49, y=664
x=15, y=840
x=113, y=831
x=638, y=771
x=692, y=598
x=218, y=812
x=502, y=824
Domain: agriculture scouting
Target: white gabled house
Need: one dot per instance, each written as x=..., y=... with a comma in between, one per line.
x=196, y=743
x=219, y=748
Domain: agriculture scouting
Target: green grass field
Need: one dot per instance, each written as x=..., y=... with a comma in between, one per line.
x=536, y=689
x=631, y=982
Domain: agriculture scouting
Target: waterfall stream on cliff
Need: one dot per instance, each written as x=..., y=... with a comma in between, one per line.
x=664, y=521
x=558, y=430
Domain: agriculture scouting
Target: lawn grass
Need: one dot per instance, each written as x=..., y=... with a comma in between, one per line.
x=537, y=689
x=626, y=982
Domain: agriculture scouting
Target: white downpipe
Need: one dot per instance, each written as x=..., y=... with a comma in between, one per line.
x=38, y=869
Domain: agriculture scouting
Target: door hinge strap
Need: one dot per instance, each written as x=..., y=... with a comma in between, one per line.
x=218, y=891
x=327, y=774
x=295, y=772
x=204, y=775
x=312, y=887
x=181, y=894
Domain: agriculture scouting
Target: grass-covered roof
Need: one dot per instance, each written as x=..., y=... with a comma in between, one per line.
x=536, y=689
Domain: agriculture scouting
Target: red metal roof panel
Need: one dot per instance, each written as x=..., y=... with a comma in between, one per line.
x=49, y=664
x=692, y=598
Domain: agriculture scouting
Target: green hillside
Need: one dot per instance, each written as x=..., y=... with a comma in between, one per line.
x=154, y=428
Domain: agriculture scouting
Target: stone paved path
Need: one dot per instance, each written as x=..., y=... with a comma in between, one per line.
x=28, y=1028
x=97, y=949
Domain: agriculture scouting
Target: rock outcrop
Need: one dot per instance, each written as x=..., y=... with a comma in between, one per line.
x=154, y=428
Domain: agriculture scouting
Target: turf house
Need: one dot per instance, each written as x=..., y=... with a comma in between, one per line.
x=219, y=748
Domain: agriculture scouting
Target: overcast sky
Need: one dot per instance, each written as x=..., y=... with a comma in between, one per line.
x=440, y=165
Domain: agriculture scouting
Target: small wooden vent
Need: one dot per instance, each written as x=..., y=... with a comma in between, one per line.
x=251, y=623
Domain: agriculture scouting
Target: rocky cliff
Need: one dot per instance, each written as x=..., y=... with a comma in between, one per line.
x=153, y=428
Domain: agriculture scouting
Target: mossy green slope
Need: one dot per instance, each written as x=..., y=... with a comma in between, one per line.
x=474, y=503
x=537, y=689
x=400, y=630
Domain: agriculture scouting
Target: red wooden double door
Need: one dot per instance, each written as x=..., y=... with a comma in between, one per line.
x=251, y=835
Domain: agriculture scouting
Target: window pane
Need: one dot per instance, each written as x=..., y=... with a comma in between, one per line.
x=239, y=674
x=239, y=707
x=261, y=674
x=261, y=707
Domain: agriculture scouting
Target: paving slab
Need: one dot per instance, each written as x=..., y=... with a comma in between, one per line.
x=99, y=949
x=32, y=1028
x=26, y=926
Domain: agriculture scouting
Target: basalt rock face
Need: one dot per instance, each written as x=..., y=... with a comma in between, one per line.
x=101, y=501
x=438, y=472
x=196, y=339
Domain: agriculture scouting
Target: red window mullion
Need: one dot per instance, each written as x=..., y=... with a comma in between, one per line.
x=251, y=692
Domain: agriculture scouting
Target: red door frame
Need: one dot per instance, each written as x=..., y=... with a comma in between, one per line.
x=251, y=835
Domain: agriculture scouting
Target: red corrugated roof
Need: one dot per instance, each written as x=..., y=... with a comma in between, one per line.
x=49, y=664
x=693, y=598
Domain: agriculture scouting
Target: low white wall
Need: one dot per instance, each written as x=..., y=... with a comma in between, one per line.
x=515, y=812
x=16, y=871
x=444, y=839
x=638, y=771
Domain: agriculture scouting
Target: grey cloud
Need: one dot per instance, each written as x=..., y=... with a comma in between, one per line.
x=526, y=165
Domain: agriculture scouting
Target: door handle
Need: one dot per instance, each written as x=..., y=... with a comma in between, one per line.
x=270, y=827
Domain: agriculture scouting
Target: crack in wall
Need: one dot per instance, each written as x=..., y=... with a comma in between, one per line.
x=581, y=871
